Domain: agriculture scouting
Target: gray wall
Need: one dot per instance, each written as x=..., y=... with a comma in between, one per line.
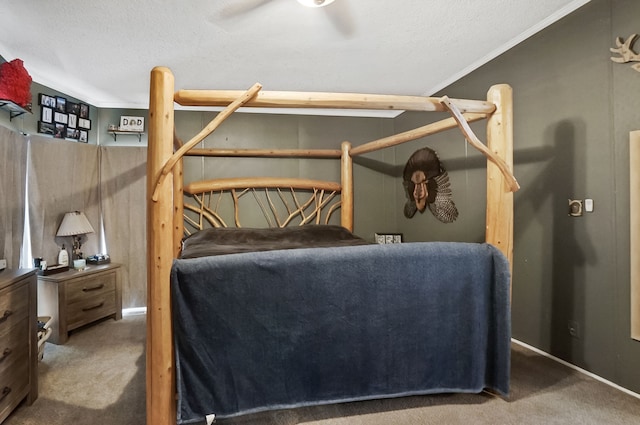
x=250, y=130
x=573, y=112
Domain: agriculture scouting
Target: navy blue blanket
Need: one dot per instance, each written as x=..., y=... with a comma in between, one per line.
x=282, y=329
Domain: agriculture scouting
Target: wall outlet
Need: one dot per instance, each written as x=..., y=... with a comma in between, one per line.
x=574, y=328
x=3, y=264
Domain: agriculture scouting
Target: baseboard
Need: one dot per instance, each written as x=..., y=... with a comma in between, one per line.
x=574, y=367
x=134, y=311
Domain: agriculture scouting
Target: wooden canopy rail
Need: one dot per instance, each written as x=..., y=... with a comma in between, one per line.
x=165, y=186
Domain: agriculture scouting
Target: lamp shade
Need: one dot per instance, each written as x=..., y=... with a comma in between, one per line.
x=74, y=223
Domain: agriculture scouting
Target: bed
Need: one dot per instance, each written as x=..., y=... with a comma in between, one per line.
x=237, y=324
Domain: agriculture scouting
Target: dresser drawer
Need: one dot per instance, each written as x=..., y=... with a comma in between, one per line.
x=84, y=289
x=14, y=387
x=90, y=309
x=14, y=307
x=14, y=349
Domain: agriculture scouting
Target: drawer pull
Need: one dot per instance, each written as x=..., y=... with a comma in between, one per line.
x=94, y=307
x=94, y=288
x=5, y=354
x=6, y=315
x=5, y=393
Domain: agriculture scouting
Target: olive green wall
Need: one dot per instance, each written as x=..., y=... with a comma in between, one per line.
x=28, y=123
x=573, y=110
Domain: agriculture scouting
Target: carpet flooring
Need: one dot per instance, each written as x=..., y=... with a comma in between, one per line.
x=98, y=378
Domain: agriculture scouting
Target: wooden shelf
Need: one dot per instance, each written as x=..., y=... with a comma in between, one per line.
x=115, y=133
x=14, y=109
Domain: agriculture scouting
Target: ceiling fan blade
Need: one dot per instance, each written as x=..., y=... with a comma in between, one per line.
x=341, y=18
x=237, y=8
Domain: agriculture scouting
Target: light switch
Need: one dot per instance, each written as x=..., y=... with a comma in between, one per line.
x=588, y=205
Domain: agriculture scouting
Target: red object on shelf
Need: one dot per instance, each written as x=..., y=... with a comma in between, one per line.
x=15, y=83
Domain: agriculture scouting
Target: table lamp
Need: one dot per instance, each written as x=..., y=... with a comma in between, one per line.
x=75, y=224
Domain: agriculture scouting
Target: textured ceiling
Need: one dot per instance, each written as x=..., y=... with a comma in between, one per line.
x=102, y=52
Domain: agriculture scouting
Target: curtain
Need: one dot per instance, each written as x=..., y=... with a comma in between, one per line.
x=63, y=177
x=123, y=182
x=13, y=151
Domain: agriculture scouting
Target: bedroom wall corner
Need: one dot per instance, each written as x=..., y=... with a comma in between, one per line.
x=573, y=111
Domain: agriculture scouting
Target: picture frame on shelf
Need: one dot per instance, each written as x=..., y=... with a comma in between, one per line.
x=46, y=100
x=84, y=111
x=73, y=121
x=46, y=128
x=84, y=123
x=60, y=117
x=60, y=131
x=46, y=114
x=83, y=136
x=61, y=104
x=135, y=124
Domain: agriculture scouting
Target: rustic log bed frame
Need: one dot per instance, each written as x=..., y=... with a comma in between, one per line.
x=165, y=184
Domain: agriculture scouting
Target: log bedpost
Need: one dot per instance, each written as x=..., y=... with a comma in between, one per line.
x=346, y=207
x=160, y=373
x=499, y=220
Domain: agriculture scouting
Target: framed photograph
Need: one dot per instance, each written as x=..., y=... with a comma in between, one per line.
x=83, y=136
x=61, y=104
x=131, y=123
x=73, y=121
x=46, y=114
x=73, y=108
x=60, y=131
x=84, y=123
x=46, y=128
x=45, y=100
x=60, y=117
x=385, y=238
x=73, y=133
x=84, y=110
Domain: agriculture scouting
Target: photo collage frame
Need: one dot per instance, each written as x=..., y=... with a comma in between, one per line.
x=63, y=119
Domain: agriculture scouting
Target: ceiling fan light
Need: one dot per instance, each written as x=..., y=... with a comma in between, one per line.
x=315, y=3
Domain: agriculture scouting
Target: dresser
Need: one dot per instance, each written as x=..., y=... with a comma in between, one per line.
x=18, y=339
x=76, y=298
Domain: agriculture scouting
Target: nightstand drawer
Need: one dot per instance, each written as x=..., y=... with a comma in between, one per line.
x=13, y=307
x=91, y=308
x=84, y=289
x=14, y=349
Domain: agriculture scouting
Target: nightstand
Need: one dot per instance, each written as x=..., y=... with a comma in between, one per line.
x=77, y=298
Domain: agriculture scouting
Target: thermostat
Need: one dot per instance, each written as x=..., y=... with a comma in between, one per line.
x=575, y=207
